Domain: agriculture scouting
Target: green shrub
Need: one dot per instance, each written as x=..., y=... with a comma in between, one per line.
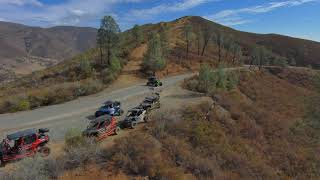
x=153, y=59
x=209, y=81
x=23, y=105
x=232, y=80
x=88, y=87
x=107, y=76
x=86, y=68
x=74, y=138
x=14, y=104
x=115, y=65
x=221, y=78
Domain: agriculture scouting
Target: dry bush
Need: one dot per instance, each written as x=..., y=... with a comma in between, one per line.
x=35, y=168
x=138, y=154
x=74, y=138
x=14, y=104
x=55, y=94
x=142, y=155
x=82, y=156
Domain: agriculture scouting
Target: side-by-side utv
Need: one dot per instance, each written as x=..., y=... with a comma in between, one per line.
x=153, y=81
x=24, y=144
x=102, y=127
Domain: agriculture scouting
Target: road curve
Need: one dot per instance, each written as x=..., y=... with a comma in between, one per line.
x=73, y=114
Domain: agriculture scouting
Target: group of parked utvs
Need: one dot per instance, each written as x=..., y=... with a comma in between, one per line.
x=29, y=142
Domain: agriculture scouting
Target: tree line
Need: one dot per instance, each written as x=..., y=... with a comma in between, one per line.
x=229, y=50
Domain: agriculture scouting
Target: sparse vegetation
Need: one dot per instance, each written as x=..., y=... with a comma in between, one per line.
x=137, y=34
x=211, y=80
x=188, y=37
x=244, y=136
x=83, y=75
x=153, y=59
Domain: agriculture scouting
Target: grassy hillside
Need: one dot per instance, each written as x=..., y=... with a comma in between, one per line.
x=73, y=78
x=48, y=46
x=260, y=129
x=303, y=52
x=82, y=75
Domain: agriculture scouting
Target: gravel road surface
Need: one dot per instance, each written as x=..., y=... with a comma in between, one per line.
x=73, y=114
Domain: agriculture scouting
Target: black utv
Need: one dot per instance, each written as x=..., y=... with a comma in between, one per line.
x=154, y=82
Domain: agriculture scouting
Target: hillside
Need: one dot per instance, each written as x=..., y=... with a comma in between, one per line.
x=70, y=72
x=260, y=129
x=303, y=52
x=48, y=46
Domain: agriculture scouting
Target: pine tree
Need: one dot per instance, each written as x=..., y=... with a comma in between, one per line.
x=153, y=59
x=164, y=40
x=107, y=37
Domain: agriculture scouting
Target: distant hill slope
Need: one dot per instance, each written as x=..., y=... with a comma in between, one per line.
x=304, y=52
x=56, y=43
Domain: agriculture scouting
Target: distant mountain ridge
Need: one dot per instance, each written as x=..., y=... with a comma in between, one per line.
x=56, y=43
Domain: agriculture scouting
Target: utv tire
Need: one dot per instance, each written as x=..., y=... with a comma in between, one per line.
x=117, y=130
x=45, y=151
x=146, y=119
x=160, y=83
x=133, y=125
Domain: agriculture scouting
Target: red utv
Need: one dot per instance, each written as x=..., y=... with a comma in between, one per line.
x=24, y=144
x=102, y=127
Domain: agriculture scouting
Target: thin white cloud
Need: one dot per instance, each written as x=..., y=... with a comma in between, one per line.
x=165, y=8
x=233, y=16
x=21, y=2
x=70, y=12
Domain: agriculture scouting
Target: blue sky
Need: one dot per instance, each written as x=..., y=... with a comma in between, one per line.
x=298, y=18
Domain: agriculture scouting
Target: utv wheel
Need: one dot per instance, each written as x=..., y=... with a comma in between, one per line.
x=133, y=125
x=160, y=84
x=45, y=151
x=145, y=119
x=117, y=131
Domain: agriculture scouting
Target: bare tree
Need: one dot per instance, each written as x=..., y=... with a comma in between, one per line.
x=219, y=39
x=228, y=45
x=101, y=43
x=206, y=35
x=187, y=33
x=237, y=53
x=198, y=39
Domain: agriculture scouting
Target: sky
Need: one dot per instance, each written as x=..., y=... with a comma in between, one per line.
x=297, y=18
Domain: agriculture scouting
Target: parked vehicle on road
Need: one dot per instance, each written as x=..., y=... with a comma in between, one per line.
x=24, y=144
x=134, y=117
x=154, y=81
x=112, y=108
x=151, y=102
x=102, y=127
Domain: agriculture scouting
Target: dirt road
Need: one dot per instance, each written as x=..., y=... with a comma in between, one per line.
x=73, y=114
